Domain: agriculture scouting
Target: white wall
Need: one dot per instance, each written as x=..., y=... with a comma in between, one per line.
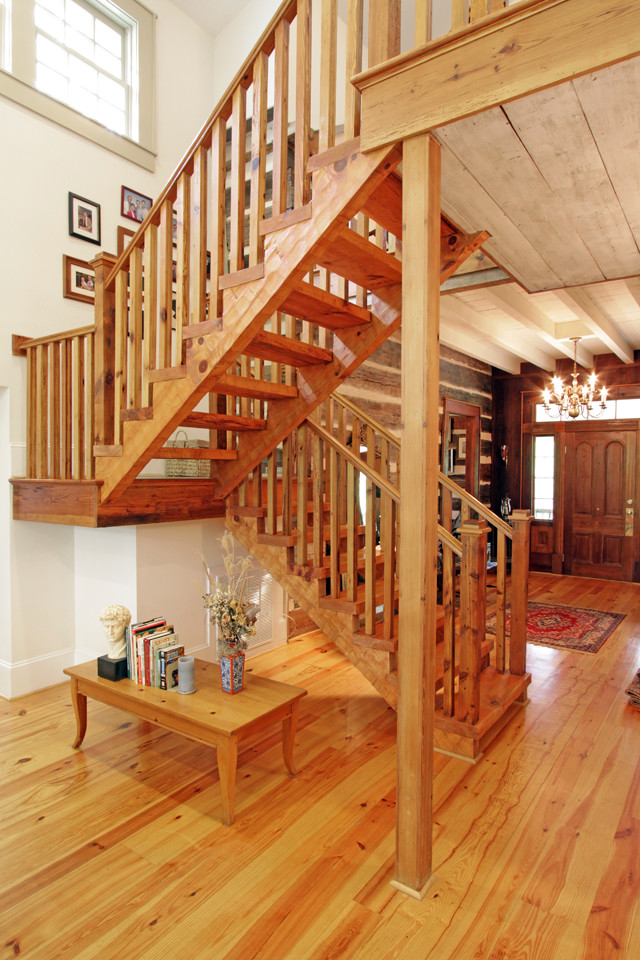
x=54, y=578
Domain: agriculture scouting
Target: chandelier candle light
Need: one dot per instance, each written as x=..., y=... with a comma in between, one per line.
x=234, y=615
x=576, y=399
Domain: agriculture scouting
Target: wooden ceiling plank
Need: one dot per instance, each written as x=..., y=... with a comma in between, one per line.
x=469, y=204
x=552, y=126
x=495, y=156
x=495, y=332
x=611, y=103
x=523, y=309
x=597, y=321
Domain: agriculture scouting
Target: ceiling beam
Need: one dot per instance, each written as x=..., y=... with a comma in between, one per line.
x=522, y=308
x=459, y=337
x=526, y=47
x=587, y=310
x=633, y=286
x=495, y=332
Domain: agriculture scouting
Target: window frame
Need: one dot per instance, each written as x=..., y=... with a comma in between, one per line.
x=19, y=86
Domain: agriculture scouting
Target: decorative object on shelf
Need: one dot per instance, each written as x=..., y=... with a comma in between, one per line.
x=188, y=468
x=115, y=619
x=84, y=219
x=78, y=280
x=505, y=507
x=576, y=399
x=234, y=615
x=186, y=679
x=134, y=206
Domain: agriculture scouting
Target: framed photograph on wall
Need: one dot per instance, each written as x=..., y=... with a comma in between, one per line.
x=134, y=206
x=124, y=235
x=78, y=280
x=84, y=219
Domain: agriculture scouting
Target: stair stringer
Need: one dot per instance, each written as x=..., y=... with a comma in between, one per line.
x=373, y=664
x=339, y=193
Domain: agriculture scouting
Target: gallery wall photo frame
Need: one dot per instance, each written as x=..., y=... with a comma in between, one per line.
x=84, y=219
x=133, y=205
x=78, y=280
x=124, y=235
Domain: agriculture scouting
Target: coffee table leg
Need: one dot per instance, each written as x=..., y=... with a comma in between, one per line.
x=289, y=727
x=80, y=708
x=227, y=762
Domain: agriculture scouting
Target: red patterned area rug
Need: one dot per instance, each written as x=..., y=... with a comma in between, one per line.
x=567, y=628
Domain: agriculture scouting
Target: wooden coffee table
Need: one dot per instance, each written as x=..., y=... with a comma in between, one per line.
x=209, y=716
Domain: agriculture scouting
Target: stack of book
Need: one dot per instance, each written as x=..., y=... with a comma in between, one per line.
x=152, y=653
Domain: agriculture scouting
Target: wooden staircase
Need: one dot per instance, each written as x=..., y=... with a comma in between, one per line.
x=267, y=271
x=320, y=514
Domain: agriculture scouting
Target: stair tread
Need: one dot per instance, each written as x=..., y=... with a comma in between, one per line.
x=343, y=605
x=356, y=258
x=311, y=572
x=324, y=308
x=273, y=346
x=167, y=373
x=194, y=453
x=233, y=385
x=222, y=421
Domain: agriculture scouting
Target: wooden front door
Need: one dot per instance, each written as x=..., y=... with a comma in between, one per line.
x=600, y=481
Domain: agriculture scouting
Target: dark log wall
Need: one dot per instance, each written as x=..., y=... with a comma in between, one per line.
x=375, y=387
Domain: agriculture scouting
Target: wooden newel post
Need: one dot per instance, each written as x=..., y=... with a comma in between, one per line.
x=521, y=522
x=105, y=350
x=473, y=615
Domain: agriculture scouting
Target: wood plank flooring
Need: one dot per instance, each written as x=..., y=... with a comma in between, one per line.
x=118, y=850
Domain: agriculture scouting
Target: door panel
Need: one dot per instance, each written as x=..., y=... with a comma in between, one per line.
x=599, y=488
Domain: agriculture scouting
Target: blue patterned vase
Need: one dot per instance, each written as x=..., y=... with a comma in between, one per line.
x=232, y=672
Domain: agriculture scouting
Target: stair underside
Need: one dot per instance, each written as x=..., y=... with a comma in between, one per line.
x=147, y=500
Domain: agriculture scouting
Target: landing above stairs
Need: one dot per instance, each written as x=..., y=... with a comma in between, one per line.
x=149, y=500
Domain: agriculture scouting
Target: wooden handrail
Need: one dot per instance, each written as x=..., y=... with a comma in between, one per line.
x=56, y=337
x=476, y=505
x=370, y=421
x=356, y=461
x=443, y=535
x=472, y=502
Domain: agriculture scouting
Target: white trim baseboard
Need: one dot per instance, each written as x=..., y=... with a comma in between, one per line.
x=26, y=676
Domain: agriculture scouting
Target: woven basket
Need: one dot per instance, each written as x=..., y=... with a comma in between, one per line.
x=188, y=468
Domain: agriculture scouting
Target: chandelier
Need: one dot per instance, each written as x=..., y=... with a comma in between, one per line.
x=575, y=399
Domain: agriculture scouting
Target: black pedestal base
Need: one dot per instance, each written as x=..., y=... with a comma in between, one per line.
x=112, y=669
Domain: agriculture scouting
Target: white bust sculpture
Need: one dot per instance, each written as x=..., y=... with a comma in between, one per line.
x=115, y=618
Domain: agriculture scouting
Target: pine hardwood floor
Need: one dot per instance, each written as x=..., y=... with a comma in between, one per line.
x=117, y=850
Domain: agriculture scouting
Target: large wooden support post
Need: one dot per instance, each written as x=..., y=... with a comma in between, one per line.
x=105, y=350
x=521, y=522
x=418, y=511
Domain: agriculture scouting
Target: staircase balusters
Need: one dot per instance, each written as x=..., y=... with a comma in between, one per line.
x=353, y=66
x=60, y=417
x=328, y=60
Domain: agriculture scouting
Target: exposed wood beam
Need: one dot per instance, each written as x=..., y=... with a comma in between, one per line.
x=522, y=308
x=586, y=309
x=458, y=336
x=531, y=46
x=495, y=332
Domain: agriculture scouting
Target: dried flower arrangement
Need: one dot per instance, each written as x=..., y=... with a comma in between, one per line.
x=235, y=615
